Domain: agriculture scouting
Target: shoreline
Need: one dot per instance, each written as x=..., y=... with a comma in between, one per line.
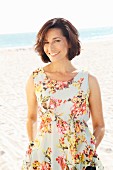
x=92, y=40
x=16, y=48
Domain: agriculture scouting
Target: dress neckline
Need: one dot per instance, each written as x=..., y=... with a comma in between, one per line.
x=65, y=81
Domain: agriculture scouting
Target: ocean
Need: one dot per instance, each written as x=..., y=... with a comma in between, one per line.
x=28, y=39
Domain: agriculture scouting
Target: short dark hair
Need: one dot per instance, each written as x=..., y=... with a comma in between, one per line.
x=68, y=31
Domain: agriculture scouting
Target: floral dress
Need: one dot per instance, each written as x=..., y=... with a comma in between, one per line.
x=63, y=140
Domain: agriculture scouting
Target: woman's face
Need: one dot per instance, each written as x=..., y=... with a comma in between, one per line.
x=55, y=45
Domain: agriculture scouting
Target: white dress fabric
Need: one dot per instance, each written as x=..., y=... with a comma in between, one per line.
x=63, y=140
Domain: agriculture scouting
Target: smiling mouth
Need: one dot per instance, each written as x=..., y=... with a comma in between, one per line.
x=54, y=54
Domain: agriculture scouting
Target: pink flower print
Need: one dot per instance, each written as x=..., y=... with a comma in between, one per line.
x=79, y=107
x=51, y=85
x=62, y=162
x=64, y=101
x=29, y=151
x=74, y=99
x=91, y=153
x=61, y=85
x=54, y=103
x=74, y=110
x=77, y=127
x=61, y=140
x=63, y=127
x=81, y=80
x=45, y=166
x=62, y=143
x=77, y=158
x=45, y=125
x=30, y=147
x=83, y=108
x=93, y=141
x=58, y=102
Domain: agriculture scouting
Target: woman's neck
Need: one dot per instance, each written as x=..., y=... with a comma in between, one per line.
x=61, y=66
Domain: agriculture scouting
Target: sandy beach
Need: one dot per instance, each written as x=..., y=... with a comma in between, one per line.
x=16, y=64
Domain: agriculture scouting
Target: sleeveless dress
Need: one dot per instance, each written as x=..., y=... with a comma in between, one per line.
x=63, y=140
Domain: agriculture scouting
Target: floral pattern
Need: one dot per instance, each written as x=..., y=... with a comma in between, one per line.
x=63, y=140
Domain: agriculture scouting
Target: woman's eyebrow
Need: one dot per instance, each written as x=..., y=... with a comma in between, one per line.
x=56, y=37
x=52, y=38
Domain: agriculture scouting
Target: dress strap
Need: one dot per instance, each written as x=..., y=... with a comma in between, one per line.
x=85, y=84
x=37, y=76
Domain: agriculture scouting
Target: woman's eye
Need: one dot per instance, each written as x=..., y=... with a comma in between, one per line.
x=57, y=40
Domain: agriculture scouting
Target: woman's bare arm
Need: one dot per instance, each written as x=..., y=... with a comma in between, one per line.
x=32, y=108
x=96, y=110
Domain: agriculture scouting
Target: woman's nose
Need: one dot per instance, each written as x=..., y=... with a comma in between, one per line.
x=51, y=48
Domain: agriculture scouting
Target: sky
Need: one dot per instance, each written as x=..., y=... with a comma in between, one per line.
x=29, y=15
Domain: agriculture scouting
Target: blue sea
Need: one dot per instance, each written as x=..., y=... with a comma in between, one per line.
x=28, y=39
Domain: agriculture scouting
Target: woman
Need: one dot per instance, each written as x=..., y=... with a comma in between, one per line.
x=61, y=99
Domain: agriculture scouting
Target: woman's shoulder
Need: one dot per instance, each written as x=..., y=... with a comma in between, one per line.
x=92, y=78
x=93, y=82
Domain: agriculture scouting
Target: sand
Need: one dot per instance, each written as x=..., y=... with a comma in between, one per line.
x=16, y=64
